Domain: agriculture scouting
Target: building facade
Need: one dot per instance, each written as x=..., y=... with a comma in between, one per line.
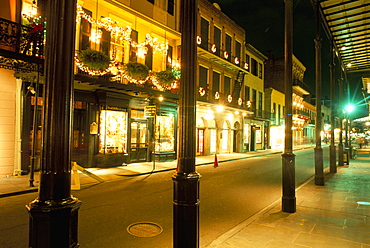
x=230, y=101
x=127, y=74
x=303, y=117
x=275, y=100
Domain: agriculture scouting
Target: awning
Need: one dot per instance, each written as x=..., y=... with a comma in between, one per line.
x=348, y=24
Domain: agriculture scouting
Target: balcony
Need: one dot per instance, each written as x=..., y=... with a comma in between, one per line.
x=221, y=58
x=21, y=47
x=261, y=114
x=300, y=87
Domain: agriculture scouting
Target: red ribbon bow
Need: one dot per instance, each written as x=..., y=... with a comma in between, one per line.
x=36, y=28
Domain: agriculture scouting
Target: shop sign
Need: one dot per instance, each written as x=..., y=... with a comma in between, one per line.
x=149, y=111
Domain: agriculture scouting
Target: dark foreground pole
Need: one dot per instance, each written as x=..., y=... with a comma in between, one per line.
x=340, y=145
x=333, y=157
x=319, y=163
x=54, y=214
x=186, y=179
x=288, y=158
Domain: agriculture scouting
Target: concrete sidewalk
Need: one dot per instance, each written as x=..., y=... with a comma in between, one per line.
x=334, y=215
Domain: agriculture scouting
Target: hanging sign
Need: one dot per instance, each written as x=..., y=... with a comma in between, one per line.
x=149, y=111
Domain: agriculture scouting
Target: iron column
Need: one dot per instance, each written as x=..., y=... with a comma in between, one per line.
x=319, y=165
x=54, y=214
x=288, y=158
x=333, y=158
x=186, y=179
x=340, y=145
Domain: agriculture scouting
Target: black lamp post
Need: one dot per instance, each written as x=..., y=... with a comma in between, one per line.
x=288, y=158
x=186, y=179
x=319, y=163
x=54, y=214
x=340, y=145
x=333, y=159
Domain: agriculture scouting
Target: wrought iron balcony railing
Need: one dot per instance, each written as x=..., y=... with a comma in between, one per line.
x=20, y=39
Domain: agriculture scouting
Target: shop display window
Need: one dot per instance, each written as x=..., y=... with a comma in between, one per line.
x=246, y=133
x=113, y=132
x=164, y=134
x=213, y=140
x=258, y=134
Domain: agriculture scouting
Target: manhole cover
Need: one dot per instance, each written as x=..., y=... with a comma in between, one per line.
x=144, y=229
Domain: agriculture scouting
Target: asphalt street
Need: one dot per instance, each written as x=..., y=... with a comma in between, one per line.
x=229, y=194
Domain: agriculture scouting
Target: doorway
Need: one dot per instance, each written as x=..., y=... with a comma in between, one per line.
x=139, y=141
x=200, y=143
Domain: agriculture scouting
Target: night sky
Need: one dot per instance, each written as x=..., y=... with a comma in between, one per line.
x=263, y=21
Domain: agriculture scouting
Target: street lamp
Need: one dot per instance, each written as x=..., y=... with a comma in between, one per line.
x=348, y=110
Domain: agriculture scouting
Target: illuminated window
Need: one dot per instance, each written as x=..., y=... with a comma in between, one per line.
x=164, y=134
x=113, y=132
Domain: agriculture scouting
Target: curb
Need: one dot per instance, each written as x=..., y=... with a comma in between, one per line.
x=21, y=192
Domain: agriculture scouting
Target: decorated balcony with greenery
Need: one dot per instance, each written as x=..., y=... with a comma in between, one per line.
x=19, y=40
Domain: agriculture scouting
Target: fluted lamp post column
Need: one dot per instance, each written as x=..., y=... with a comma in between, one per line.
x=333, y=157
x=288, y=158
x=340, y=145
x=319, y=163
x=186, y=179
x=54, y=214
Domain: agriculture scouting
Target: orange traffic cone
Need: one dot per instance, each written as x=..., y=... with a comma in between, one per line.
x=215, y=164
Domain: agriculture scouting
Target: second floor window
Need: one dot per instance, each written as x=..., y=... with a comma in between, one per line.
x=238, y=47
x=149, y=57
x=254, y=67
x=228, y=46
x=260, y=70
x=105, y=42
x=247, y=94
x=227, y=86
x=204, y=32
x=247, y=62
x=260, y=100
x=133, y=50
x=85, y=33
x=217, y=40
x=216, y=83
x=203, y=81
x=169, y=56
x=171, y=7
x=254, y=99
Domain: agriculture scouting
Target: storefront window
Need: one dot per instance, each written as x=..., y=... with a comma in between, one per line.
x=258, y=134
x=113, y=132
x=213, y=140
x=246, y=133
x=164, y=134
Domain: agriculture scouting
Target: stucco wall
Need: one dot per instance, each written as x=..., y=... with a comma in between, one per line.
x=7, y=121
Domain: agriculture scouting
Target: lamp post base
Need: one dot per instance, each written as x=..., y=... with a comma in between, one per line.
x=288, y=199
x=186, y=210
x=319, y=167
x=333, y=159
x=53, y=224
x=340, y=155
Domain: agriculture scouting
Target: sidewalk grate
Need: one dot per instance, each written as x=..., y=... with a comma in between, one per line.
x=144, y=229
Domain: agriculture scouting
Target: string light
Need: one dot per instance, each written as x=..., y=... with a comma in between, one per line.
x=122, y=33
